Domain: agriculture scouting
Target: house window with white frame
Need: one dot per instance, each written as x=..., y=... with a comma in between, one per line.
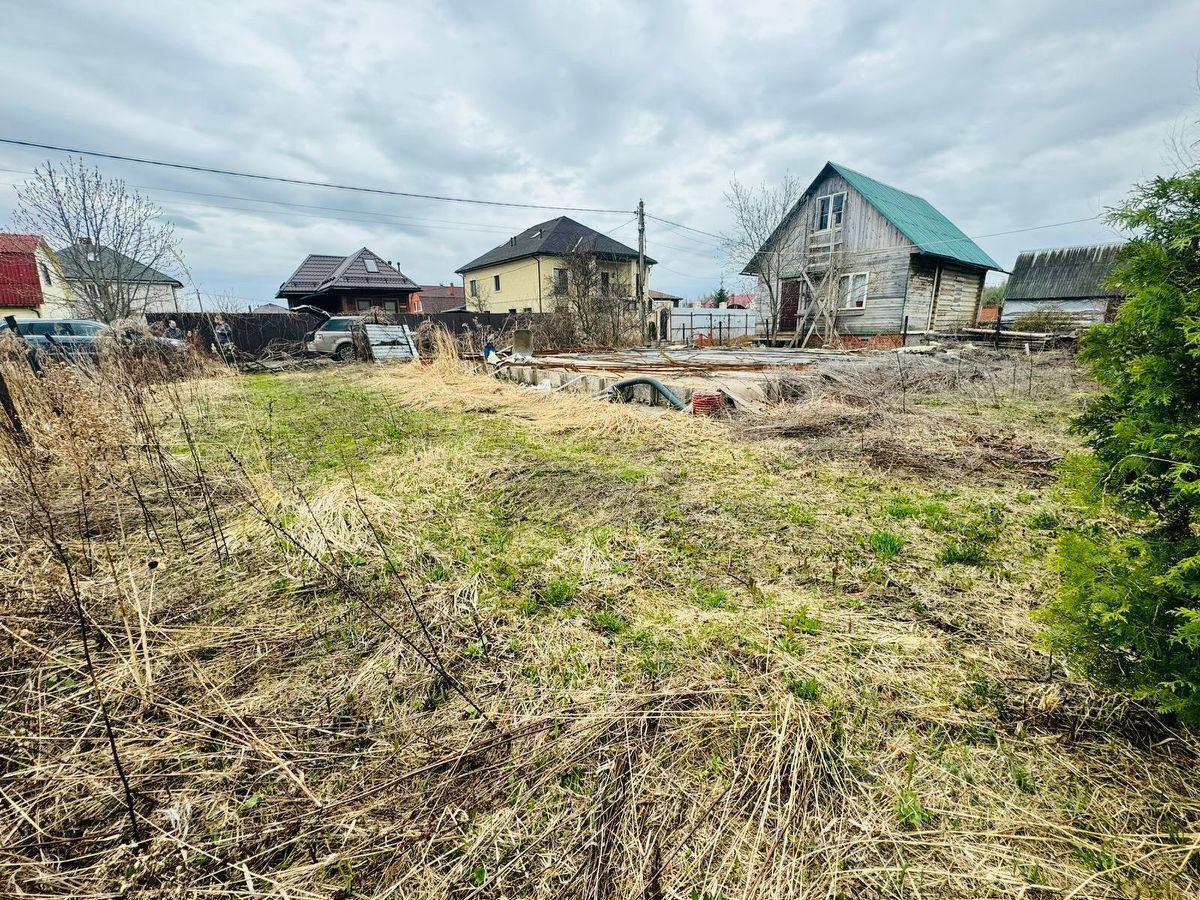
x=831, y=210
x=473, y=288
x=496, y=283
x=560, y=281
x=852, y=289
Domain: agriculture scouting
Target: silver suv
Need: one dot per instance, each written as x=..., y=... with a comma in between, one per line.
x=333, y=337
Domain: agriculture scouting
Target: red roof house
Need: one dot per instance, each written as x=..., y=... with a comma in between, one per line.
x=20, y=281
x=32, y=284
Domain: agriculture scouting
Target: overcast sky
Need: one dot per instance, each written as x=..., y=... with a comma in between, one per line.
x=1004, y=115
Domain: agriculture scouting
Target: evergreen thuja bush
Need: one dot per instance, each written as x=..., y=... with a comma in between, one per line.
x=1128, y=611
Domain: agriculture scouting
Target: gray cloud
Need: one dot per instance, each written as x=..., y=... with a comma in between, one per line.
x=1004, y=115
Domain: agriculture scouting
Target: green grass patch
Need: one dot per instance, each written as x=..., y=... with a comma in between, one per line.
x=886, y=544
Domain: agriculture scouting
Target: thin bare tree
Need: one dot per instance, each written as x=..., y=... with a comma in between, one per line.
x=761, y=242
x=597, y=295
x=479, y=298
x=109, y=236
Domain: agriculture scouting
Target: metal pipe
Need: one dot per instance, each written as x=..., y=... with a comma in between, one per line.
x=619, y=390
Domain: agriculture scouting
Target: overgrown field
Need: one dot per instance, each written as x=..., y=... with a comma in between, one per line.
x=411, y=632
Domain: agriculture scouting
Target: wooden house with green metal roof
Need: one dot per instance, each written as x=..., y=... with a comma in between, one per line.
x=857, y=257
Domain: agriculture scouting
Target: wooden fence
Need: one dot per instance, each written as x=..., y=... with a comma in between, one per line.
x=256, y=333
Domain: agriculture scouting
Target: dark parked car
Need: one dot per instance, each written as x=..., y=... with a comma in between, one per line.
x=69, y=336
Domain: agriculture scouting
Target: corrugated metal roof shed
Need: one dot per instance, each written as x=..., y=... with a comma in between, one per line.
x=1062, y=273
x=918, y=220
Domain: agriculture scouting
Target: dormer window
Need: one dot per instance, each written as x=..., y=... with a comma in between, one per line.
x=370, y=264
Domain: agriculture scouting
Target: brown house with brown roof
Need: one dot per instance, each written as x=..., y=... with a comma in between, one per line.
x=439, y=298
x=347, y=285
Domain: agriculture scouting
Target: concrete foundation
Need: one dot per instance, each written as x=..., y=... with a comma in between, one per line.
x=590, y=384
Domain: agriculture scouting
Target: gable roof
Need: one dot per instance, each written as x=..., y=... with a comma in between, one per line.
x=554, y=237
x=1062, y=273
x=108, y=264
x=662, y=295
x=321, y=272
x=916, y=219
x=19, y=243
x=913, y=216
x=20, y=283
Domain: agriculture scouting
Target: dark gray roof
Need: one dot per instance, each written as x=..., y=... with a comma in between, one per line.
x=553, y=238
x=1059, y=273
x=320, y=273
x=108, y=265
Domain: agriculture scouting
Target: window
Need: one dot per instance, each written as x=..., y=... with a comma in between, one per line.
x=474, y=288
x=341, y=323
x=560, y=281
x=389, y=306
x=46, y=274
x=363, y=304
x=87, y=329
x=42, y=327
x=496, y=283
x=371, y=265
x=852, y=289
x=528, y=309
x=604, y=282
x=512, y=312
x=830, y=211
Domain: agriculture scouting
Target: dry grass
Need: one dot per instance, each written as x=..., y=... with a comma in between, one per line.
x=416, y=633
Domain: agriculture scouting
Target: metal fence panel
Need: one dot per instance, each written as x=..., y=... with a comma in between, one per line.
x=391, y=342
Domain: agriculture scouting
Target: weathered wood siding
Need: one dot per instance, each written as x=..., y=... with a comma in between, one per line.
x=959, y=288
x=870, y=244
x=921, y=279
x=958, y=296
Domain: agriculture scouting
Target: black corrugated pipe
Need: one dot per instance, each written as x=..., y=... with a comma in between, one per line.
x=621, y=388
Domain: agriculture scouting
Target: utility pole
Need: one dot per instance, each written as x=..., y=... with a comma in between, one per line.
x=641, y=272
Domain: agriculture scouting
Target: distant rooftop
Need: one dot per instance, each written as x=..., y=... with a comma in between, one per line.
x=554, y=237
x=360, y=270
x=87, y=261
x=1063, y=273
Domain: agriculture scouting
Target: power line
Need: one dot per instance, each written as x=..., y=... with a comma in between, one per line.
x=709, y=253
x=685, y=275
x=447, y=199
x=622, y=225
x=279, y=179
x=450, y=224
x=686, y=227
